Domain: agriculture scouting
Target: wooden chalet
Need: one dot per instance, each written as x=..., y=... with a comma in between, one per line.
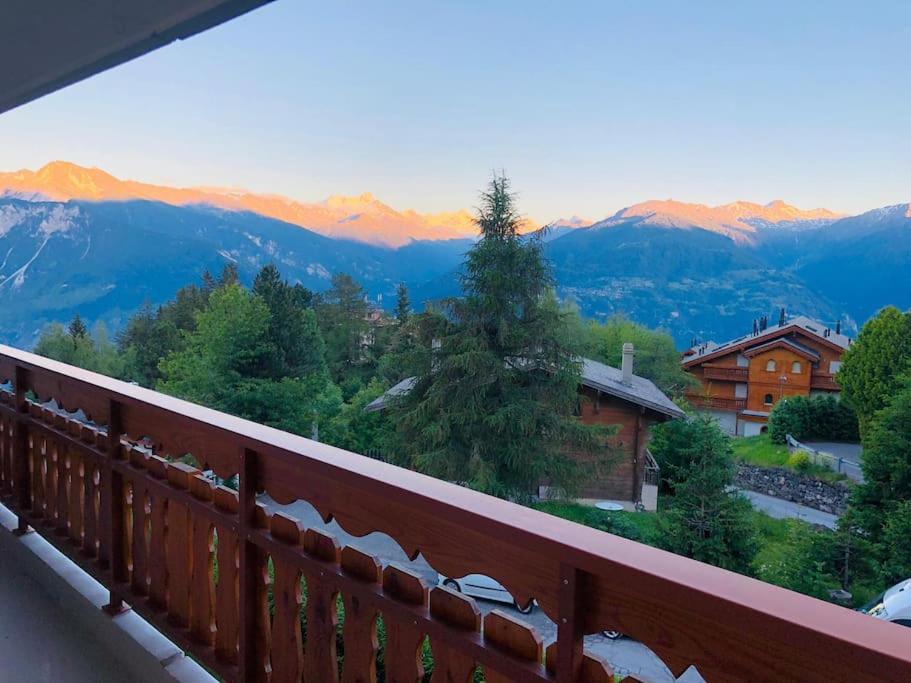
x=741, y=380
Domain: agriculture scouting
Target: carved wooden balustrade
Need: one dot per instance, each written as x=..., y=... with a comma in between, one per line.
x=824, y=380
x=731, y=373
x=255, y=596
x=716, y=402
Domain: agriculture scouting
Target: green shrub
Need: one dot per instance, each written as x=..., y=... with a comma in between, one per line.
x=678, y=444
x=613, y=523
x=815, y=417
x=799, y=461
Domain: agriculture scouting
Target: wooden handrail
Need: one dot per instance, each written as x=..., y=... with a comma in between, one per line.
x=725, y=372
x=824, y=380
x=718, y=402
x=729, y=626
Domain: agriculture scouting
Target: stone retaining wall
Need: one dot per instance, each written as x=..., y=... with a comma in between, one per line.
x=794, y=487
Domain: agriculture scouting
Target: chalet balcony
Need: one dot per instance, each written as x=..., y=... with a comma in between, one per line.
x=716, y=403
x=725, y=372
x=228, y=575
x=823, y=380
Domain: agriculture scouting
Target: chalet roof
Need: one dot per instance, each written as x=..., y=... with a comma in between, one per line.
x=595, y=375
x=794, y=345
x=640, y=391
x=800, y=323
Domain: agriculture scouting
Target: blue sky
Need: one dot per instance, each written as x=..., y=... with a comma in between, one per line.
x=588, y=106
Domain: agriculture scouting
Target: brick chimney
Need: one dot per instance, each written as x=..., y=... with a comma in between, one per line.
x=627, y=364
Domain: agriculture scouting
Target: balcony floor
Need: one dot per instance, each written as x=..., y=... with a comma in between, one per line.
x=52, y=627
x=37, y=638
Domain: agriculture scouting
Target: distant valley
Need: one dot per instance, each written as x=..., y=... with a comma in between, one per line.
x=76, y=239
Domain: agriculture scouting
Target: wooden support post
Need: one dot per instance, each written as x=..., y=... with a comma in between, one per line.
x=248, y=661
x=570, y=631
x=113, y=551
x=21, y=451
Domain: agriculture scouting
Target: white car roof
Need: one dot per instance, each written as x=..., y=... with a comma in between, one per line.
x=897, y=601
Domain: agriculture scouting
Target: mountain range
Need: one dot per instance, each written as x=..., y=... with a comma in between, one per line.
x=363, y=218
x=79, y=239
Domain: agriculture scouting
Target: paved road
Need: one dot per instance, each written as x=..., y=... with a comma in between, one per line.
x=627, y=657
x=785, y=509
x=849, y=452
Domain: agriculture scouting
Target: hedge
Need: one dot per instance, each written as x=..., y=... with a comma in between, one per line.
x=814, y=417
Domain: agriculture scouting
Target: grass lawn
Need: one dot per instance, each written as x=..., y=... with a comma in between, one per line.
x=759, y=450
x=641, y=526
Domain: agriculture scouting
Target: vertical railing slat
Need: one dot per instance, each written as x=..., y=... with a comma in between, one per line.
x=202, y=592
x=179, y=549
x=360, y=629
x=287, y=655
x=320, y=660
x=75, y=495
x=253, y=580
x=139, y=577
x=513, y=638
x=21, y=452
x=458, y=611
x=227, y=596
x=63, y=503
x=113, y=546
x=404, y=639
x=158, y=551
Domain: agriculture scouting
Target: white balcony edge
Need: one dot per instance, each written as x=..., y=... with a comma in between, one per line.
x=147, y=654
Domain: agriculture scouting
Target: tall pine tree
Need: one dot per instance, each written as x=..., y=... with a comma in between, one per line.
x=493, y=407
x=292, y=325
x=402, y=305
x=342, y=315
x=77, y=329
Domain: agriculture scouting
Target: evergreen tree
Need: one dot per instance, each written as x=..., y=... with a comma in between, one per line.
x=493, y=405
x=228, y=364
x=146, y=339
x=873, y=366
x=402, y=305
x=292, y=325
x=895, y=547
x=229, y=275
x=886, y=464
x=706, y=521
x=77, y=329
x=84, y=350
x=209, y=283
x=342, y=316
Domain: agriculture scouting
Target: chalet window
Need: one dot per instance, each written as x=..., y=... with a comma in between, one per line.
x=768, y=397
x=770, y=366
x=834, y=366
x=795, y=367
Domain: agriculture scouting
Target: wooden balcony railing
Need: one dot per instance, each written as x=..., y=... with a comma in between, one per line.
x=222, y=574
x=725, y=372
x=823, y=380
x=714, y=402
